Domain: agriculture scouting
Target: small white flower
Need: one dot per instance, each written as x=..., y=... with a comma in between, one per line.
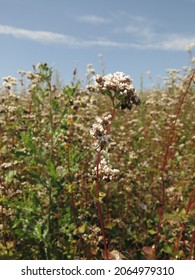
x=99, y=132
x=6, y=85
x=99, y=120
x=106, y=171
x=193, y=59
x=96, y=130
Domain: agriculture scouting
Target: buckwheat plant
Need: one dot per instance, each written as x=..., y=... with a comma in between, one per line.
x=119, y=88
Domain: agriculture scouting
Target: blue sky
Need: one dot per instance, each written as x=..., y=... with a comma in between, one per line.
x=133, y=36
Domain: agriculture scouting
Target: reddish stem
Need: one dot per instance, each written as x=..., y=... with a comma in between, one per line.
x=98, y=190
x=4, y=228
x=99, y=206
x=166, y=157
x=107, y=207
x=192, y=244
x=191, y=200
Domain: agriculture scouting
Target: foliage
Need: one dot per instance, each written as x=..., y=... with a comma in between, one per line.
x=48, y=192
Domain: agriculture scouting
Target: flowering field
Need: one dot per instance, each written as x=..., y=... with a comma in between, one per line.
x=97, y=172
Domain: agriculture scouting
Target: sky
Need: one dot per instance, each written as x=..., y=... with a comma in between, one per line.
x=142, y=38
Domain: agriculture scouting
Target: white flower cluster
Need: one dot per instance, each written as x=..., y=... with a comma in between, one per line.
x=118, y=86
x=118, y=82
x=90, y=70
x=106, y=171
x=190, y=47
x=99, y=132
x=9, y=81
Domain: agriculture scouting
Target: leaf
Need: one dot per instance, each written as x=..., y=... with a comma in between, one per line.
x=20, y=152
x=82, y=228
x=10, y=176
x=10, y=245
x=71, y=188
x=52, y=169
x=151, y=169
x=97, y=196
x=152, y=231
x=117, y=106
x=176, y=216
x=27, y=139
x=3, y=199
x=101, y=196
x=110, y=225
x=167, y=249
x=93, y=191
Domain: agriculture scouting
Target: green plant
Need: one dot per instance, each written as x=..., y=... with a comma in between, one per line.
x=119, y=89
x=128, y=189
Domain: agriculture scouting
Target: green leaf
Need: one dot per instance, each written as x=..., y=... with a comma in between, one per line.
x=117, y=106
x=10, y=176
x=93, y=191
x=110, y=225
x=3, y=199
x=167, y=249
x=152, y=231
x=52, y=169
x=97, y=196
x=27, y=139
x=101, y=196
x=71, y=188
x=82, y=228
x=151, y=169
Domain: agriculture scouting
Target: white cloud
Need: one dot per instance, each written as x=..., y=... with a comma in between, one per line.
x=40, y=36
x=93, y=19
x=51, y=37
x=169, y=42
x=174, y=42
x=145, y=39
x=106, y=43
x=145, y=33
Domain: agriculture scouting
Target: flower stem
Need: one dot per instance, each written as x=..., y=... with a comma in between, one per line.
x=166, y=156
x=98, y=191
x=99, y=206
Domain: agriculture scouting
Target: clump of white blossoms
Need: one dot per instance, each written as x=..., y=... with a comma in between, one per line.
x=9, y=81
x=106, y=172
x=119, y=87
x=99, y=132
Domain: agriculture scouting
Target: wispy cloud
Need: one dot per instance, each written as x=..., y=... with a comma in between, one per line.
x=145, y=36
x=145, y=39
x=145, y=33
x=168, y=43
x=51, y=37
x=93, y=19
x=39, y=36
x=173, y=42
